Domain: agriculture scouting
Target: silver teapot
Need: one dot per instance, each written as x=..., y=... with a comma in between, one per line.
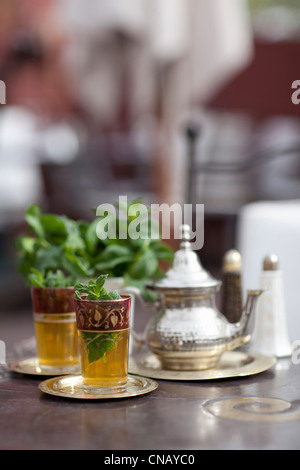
x=187, y=331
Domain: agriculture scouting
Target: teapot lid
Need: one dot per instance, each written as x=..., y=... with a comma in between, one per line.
x=187, y=271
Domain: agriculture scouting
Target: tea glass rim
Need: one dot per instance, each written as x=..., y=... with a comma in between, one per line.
x=123, y=297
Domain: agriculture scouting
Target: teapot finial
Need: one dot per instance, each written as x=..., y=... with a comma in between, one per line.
x=186, y=270
x=185, y=237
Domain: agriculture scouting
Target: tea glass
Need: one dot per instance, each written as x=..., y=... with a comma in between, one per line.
x=103, y=333
x=55, y=328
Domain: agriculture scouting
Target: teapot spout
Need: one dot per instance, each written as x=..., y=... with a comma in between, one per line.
x=244, y=328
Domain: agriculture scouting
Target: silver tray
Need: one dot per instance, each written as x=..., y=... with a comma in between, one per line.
x=72, y=387
x=31, y=366
x=231, y=364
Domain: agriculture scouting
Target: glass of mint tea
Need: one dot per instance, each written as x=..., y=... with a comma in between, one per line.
x=103, y=322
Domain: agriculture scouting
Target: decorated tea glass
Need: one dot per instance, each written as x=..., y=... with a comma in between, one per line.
x=55, y=328
x=103, y=331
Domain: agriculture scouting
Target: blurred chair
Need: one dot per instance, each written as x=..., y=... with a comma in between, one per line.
x=268, y=227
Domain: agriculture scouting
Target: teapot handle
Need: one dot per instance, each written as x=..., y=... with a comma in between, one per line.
x=135, y=291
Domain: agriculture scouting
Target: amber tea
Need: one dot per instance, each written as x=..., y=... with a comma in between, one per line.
x=55, y=327
x=56, y=338
x=108, y=366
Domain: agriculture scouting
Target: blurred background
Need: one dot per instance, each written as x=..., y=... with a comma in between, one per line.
x=167, y=100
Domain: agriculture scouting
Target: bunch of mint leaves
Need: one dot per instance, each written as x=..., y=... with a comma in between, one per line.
x=53, y=250
x=57, y=244
x=138, y=261
x=52, y=279
x=98, y=345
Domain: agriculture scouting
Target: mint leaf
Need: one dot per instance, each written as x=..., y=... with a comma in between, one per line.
x=75, y=264
x=33, y=218
x=114, y=295
x=145, y=266
x=83, y=288
x=37, y=278
x=94, y=289
x=101, y=280
x=50, y=279
x=91, y=238
x=98, y=345
x=162, y=251
x=104, y=296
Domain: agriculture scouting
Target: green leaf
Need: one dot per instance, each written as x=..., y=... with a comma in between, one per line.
x=77, y=295
x=114, y=295
x=26, y=244
x=76, y=265
x=49, y=258
x=33, y=218
x=74, y=242
x=111, y=264
x=92, y=296
x=101, y=280
x=50, y=279
x=98, y=345
x=83, y=288
x=162, y=251
x=104, y=296
x=150, y=296
x=53, y=224
x=145, y=266
x=115, y=249
x=58, y=279
x=91, y=238
x=36, y=278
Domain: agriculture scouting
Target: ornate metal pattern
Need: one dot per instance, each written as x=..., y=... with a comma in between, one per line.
x=72, y=387
x=103, y=315
x=231, y=364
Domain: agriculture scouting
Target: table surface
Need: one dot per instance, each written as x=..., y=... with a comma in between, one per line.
x=260, y=411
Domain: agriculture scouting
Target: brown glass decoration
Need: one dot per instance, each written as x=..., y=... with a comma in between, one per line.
x=53, y=300
x=103, y=315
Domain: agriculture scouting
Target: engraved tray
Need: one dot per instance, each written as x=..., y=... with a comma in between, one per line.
x=232, y=364
x=71, y=387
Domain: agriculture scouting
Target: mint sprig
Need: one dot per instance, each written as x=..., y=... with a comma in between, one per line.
x=95, y=290
x=98, y=345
